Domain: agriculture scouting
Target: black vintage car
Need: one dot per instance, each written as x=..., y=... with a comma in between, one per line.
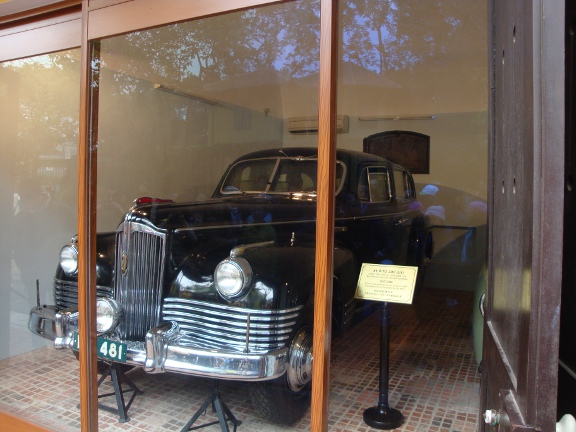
x=224, y=288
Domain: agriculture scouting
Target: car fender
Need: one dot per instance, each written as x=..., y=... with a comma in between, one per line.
x=283, y=276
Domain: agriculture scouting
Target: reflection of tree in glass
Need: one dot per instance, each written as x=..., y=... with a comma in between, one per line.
x=47, y=125
x=376, y=35
x=216, y=48
x=392, y=35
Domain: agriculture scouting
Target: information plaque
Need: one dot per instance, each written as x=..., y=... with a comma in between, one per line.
x=386, y=283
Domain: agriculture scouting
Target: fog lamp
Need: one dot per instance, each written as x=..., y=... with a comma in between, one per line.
x=108, y=314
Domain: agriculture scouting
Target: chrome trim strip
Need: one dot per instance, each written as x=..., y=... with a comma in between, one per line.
x=299, y=222
x=224, y=338
x=240, y=250
x=239, y=327
x=567, y=368
x=231, y=309
x=244, y=225
x=224, y=327
x=66, y=293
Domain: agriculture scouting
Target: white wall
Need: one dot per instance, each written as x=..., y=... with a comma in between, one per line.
x=458, y=147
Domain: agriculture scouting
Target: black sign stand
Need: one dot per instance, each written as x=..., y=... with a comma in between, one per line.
x=382, y=416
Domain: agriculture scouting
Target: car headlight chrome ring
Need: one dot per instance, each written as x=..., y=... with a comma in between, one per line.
x=233, y=278
x=69, y=259
x=108, y=314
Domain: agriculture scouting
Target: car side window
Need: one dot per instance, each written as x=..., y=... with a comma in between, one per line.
x=403, y=184
x=374, y=185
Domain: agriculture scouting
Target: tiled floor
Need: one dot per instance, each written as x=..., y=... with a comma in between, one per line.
x=433, y=379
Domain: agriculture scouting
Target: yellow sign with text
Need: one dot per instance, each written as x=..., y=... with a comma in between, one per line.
x=387, y=283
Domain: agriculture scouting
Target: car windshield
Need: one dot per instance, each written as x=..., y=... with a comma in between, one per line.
x=276, y=175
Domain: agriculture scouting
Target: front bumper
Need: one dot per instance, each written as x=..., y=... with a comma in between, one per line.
x=161, y=352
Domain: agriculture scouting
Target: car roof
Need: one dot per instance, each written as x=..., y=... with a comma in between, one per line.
x=311, y=152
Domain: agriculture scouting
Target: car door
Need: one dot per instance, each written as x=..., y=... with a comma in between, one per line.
x=521, y=333
x=375, y=235
x=404, y=197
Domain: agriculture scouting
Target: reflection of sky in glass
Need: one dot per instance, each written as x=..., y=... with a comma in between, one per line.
x=46, y=60
x=378, y=36
x=49, y=119
x=375, y=35
x=268, y=58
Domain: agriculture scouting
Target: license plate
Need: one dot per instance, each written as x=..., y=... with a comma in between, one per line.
x=106, y=348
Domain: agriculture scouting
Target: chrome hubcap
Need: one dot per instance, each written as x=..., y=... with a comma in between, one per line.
x=300, y=360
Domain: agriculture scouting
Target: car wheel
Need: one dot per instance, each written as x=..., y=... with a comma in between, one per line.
x=286, y=399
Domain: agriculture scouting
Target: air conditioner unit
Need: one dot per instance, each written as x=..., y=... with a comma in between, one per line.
x=301, y=125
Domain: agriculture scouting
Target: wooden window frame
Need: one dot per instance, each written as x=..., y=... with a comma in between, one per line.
x=66, y=25
x=41, y=32
x=49, y=29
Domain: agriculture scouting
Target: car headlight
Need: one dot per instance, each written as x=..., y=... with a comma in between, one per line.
x=108, y=314
x=233, y=277
x=69, y=259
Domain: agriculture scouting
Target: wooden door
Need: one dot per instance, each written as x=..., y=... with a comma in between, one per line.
x=520, y=364
x=567, y=363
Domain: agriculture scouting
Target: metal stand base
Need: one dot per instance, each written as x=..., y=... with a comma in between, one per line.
x=383, y=418
x=219, y=407
x=118, y=377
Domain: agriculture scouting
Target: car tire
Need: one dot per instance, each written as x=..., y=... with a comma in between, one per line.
x=277, y=403
x=285, y=399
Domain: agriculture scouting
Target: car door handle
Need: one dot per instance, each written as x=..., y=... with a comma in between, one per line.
x=400, y=221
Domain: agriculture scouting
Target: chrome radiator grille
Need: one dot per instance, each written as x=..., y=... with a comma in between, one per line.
x=139, y=272
x=66, y=293
x=213, y=326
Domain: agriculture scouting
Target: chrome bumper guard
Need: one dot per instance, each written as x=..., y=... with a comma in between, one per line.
x=162, y=353
x=42, y=321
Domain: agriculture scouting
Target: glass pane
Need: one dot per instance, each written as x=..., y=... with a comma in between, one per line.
x=39, y=140
x=203, y=266
x=208, y=251
x=412, y=84
x=379, y=184
x=195, y=96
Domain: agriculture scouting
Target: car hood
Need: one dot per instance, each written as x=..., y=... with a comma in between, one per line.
x=226, y=212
